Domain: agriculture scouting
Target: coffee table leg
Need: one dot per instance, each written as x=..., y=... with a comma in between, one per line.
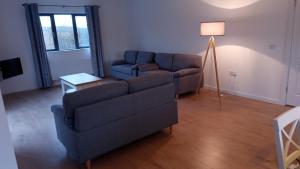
x=63, y=87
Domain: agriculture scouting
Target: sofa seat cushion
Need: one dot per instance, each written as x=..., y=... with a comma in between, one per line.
x=182, y=61
x=185, y=72
x=149, y=81
x=164, y=61
x=127, y=68
x=144, y=57
x=130, y=57
x=148, y=67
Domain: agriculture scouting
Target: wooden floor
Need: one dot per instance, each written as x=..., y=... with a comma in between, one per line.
x=239, y=137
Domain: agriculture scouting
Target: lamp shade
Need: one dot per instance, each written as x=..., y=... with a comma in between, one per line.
x=212, y=29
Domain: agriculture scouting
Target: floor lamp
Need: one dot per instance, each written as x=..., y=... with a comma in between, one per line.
x=212, y=29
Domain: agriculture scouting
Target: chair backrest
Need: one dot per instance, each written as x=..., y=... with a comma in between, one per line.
x=287, y=137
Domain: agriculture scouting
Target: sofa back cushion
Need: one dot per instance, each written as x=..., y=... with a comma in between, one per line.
x=149, y=81
x=154, y=98
x=104, y=112
x=108, y=90
x=144, y=57
x=182, y=61
x=164, y=60
x=130, y=56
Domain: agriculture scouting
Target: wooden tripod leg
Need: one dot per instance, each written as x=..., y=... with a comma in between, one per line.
x=88, y=164
x=171, y=130
x=204, y=63
x=217, y=74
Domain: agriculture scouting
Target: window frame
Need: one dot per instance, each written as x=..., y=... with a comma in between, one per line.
x=54, y=31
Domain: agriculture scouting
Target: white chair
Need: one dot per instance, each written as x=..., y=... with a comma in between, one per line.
x=287, y=142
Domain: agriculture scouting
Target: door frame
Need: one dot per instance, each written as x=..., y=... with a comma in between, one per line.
x=288, y=49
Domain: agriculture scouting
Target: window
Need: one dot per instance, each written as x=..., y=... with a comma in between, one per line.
x=65, y=31
x=82, y=31
x=48, y=32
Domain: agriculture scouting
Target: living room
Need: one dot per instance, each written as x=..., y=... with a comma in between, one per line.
x=138, y=54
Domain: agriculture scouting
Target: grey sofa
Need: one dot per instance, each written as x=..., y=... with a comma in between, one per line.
x=185, y=70
x=95, y=121
x=128, y=67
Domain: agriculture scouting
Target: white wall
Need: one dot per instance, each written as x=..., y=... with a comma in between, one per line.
x=7, y=155
x=254, y=46
x=64, y=63
x=14, y=41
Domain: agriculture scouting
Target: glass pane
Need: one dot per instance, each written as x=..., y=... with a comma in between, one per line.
x=82, y=30
x=65, y=32
x=47, y=32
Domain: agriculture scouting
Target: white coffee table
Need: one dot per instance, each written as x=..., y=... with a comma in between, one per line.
x=78, y=82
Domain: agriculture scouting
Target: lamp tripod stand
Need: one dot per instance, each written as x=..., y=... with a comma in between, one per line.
x=212, y=44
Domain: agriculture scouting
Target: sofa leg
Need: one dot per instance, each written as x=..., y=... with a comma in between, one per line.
x=88, y=164
x=171, y=130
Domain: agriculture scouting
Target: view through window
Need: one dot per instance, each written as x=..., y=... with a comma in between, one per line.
x=65, y=31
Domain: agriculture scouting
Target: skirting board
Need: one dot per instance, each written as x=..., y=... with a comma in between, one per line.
x=246, y=95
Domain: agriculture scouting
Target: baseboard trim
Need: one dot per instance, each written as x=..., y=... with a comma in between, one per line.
x=247, y=95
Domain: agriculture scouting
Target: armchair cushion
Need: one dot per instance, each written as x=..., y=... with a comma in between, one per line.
x=164, y=61
x=182, y=61
x=144, y=57
x=127, y=68
x=130, y=57
x=185, y=72
x=148, y=67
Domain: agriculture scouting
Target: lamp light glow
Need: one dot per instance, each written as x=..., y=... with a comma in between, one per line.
x=212, y=29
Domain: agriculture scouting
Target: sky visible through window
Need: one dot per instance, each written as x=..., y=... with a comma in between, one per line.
x=82, y=30
x=47, y=31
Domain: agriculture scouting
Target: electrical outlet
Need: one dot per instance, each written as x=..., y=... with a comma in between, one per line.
x=232, y=73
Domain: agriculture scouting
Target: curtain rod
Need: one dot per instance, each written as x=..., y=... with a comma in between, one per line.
x=66, y=6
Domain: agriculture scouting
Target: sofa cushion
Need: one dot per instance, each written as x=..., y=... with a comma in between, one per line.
x=108, y=90
x=148, y=67
x=149, y=81
x=182, y=61
x=164, y=61
x=130, y=57
x=126, y=69
x=155, y=72
x=185, y=72
x=144, y=57
x=102, y=113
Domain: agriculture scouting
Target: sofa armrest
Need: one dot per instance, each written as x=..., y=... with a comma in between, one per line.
x=134, y=67
x=59, y=113
x=186, y=72
x=118, y=62
x=58, y=110
x=148, y=67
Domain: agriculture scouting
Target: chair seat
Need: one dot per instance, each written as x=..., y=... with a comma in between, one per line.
x=185, y=72
x=127, y=68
